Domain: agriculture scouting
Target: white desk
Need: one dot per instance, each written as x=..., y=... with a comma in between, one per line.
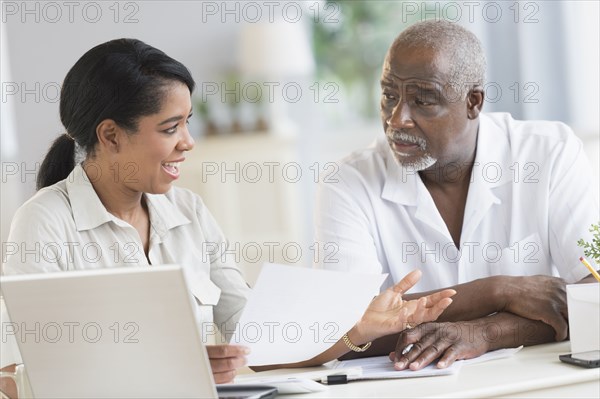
x=533, y=372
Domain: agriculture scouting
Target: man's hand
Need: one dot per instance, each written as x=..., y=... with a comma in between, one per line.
x=466, y=339
x=225, y=360
x=388, y=313
x=541, y=298
x=430, y=341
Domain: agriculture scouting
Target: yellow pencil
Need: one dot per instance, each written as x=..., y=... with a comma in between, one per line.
x=590, y=268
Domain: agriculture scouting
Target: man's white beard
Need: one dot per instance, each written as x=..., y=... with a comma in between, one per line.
x=417, y=165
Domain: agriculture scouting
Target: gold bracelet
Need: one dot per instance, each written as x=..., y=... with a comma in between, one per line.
x=353, y=347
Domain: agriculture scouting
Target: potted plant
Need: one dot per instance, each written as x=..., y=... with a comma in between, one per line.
x=592, y=250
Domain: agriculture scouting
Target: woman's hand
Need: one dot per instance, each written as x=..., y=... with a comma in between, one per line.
x=7, y=384
x=388, y=313
x=225, y=360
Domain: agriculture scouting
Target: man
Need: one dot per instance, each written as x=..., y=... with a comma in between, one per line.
x=487, y=205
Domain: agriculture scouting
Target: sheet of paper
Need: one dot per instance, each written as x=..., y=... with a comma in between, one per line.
x=380, y=367
x=294, y=313
x=312, y=373
x=493, y=355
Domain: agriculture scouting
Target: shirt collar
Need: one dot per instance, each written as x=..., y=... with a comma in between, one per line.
x=89, y=212
x=163, y=214
x=492, y=159
x=401, y=185
x=491, y=169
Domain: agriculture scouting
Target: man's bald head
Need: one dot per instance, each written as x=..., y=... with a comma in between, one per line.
x=460, y=48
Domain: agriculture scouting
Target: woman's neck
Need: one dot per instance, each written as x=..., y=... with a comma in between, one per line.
x=118, y=199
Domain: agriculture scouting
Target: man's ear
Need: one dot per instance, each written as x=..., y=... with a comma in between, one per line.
x=475, y=99
x=109, y=135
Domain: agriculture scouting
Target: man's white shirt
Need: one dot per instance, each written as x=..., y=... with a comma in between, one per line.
x=528, y=204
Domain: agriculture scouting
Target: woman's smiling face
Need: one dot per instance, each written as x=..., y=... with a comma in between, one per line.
x=148, y=159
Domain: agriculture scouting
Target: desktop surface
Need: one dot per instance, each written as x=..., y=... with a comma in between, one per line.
x=533, y=372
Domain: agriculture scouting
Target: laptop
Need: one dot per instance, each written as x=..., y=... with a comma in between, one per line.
x=108, y=333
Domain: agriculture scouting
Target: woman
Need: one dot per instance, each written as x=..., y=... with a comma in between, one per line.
x=125, y=106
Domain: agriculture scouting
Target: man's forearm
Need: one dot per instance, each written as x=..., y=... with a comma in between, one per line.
x=507, y=330
x=474, y=299
x=500, y=330
x=587, y=280
x=539, y=300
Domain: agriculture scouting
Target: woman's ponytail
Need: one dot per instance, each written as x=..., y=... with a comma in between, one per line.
x=58, y=163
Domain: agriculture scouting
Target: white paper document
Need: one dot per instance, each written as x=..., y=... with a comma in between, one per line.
x=381, y=367
x=493, y=355
x=294, y=313
x=317, y=373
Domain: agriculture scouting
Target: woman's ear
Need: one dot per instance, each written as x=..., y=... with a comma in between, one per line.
x=475, y=99
x=109, y=135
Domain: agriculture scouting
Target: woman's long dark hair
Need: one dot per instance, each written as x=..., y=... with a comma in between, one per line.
x=120, y=80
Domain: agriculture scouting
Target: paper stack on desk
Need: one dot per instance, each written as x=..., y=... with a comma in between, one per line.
x=380, y=367
x=295, y=313
x=373, y=368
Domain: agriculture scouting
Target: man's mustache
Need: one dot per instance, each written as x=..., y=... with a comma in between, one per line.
x=399, y=135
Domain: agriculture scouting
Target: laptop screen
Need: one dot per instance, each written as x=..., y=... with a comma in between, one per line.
x=123, y=332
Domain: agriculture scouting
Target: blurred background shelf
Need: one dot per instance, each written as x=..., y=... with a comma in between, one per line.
x=248, y=182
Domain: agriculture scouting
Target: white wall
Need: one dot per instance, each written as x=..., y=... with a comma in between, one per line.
x=42, y=52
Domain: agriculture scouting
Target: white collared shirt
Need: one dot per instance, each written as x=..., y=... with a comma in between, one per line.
x=527, y=206
x=66, y=227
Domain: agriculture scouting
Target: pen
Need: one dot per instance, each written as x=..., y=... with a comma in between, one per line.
x=342, y=378
x=590, y=268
